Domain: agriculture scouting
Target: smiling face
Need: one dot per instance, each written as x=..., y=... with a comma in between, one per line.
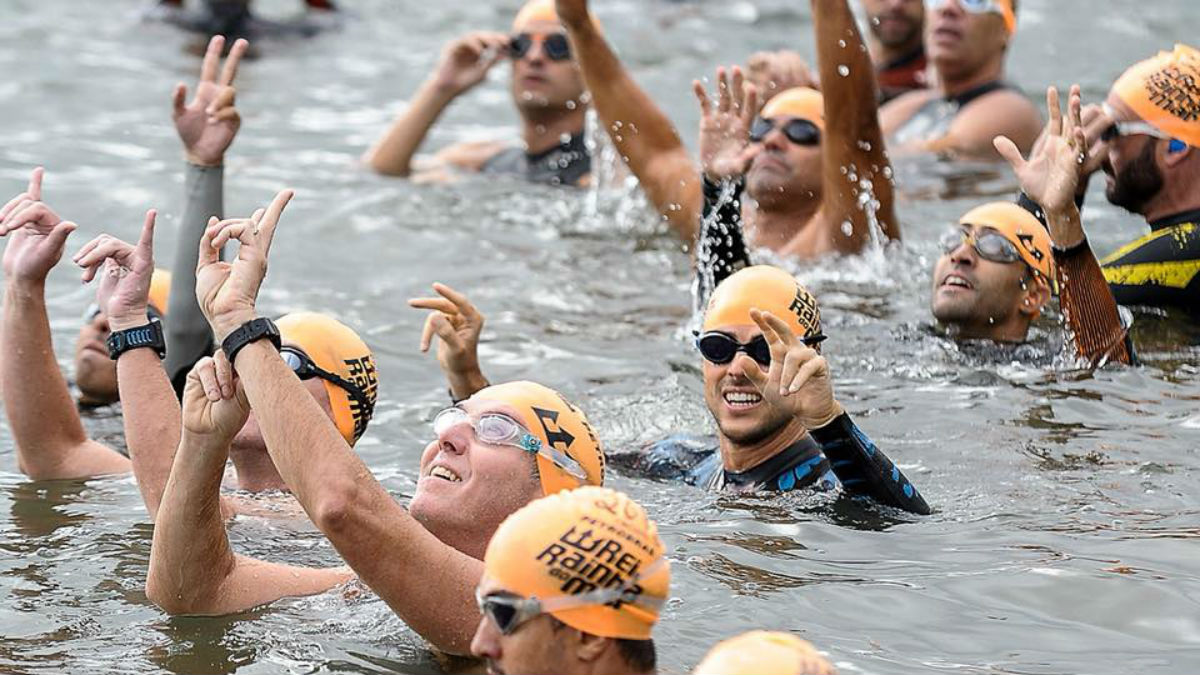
x=781, y=170
x=741, y=413
x=95, y=373
x=959, y=42
x=540, y=84
x=467, y=488
x=981, y=297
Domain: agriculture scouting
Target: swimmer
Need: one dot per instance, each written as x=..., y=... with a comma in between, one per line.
x=897, y=44
x=761, y=652
x=1146, y=139
x=573, y=584
x=792, y=156
x=547, y=90
x=234, y=19
x=967, y=42
x=494, y=453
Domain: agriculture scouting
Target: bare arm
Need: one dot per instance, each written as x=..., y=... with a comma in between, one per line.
x=642, y=134
x=853, y=140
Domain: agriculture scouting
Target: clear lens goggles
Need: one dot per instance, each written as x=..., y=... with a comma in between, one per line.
x=988, y=244
x=972, y=6
x=1136, y=128
x=500, y=429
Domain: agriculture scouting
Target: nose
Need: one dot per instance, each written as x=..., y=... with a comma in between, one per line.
x=456, y=439
x=485, y=644
x=964, y=254
x=775, y=140
x=536, y=53
x=739, y=365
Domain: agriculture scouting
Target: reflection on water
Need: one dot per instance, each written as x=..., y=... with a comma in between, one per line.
x=1063, y=539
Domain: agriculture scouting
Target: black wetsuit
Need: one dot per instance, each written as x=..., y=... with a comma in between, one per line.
x=1161, y=269
x=932, y=120
x=565, y=164
x=902, y=75
x=836, y=454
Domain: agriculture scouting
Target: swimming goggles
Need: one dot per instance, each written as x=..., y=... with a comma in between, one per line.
x=988, y=244
x=555, y=46
x=509, y=610
x=306, y=369
x=972, y=6
x=500, y=429
x=720, y=348
x=798, y=131
x=1135, y=128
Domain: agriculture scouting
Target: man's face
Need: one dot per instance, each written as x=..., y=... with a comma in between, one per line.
x=895, y=23
x=962, y=40
x=1131, y=164
x=95, y=373
x=469, y=487
x=741, y=413
x=782, y=170
x=976, y=294
x=534, y=647
x=540, y=83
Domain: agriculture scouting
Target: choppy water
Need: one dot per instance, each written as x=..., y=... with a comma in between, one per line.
x=1066, y=531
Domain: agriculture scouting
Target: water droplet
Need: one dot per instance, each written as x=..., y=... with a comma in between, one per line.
x=842, y=44
x=847, y=228
x=844, y=70
x=571, y=105
x=565, y=138
x=991, y=320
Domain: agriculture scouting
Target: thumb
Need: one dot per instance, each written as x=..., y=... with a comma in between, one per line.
x=1009, y=151
x=58, y=236
x=177, y=99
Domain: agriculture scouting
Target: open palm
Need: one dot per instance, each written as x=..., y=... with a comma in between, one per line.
x=725, y=129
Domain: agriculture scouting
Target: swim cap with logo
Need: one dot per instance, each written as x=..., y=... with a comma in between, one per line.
x=581, y=541
x=548, y=415
x=335, y=347
x=762, y=652
x=803, y=102
x=1165, y=92
x=160, y=290
x=766, y=288
x=535, y=11
x=1020, y=227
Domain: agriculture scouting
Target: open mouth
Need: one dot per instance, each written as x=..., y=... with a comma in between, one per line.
x=955, y=281
x=741, y=400
x=444, y=474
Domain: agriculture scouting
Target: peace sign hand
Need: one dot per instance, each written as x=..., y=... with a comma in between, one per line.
x=798, y=380
x=209, y=123
x=227, y=291
x=725, y=131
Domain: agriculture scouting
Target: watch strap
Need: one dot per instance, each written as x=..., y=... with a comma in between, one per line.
x=251, y=331
x=149, y=336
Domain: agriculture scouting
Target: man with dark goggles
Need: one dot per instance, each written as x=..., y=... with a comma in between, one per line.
x=797, y=130
x=721, y=348
x=555, y=46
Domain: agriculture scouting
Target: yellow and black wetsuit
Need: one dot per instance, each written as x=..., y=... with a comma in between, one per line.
x=1162, y=269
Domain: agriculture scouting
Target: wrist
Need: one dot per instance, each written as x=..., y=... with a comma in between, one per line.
x=204, y=440
x=132, y=319
x=438, y=91
x=835, y=412
x=224, y=325
x=205, y=162
x=19, y=289
x=464, y=383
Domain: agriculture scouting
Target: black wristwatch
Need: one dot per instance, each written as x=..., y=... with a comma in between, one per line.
x=252, y=330
x=150, y=336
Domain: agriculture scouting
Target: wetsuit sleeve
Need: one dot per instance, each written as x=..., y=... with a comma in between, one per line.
x=1089, y=307
x=863, y=469
x=189, y=338
x=721, y=248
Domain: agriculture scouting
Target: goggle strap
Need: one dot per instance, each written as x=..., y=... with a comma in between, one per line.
x=604, y=596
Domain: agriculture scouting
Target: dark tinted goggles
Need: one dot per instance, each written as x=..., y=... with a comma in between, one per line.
x=988, y=244
x=555, y=46
x=798, y=131
x=720, y=348
x=306, y=369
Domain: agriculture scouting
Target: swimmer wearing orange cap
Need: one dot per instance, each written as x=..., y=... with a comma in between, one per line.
x=967, y=42
x=584, y=571
x=547, y=91
x=762, y=652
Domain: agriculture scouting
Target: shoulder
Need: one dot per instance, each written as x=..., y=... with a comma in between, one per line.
x=472, y=155
x=897, y=111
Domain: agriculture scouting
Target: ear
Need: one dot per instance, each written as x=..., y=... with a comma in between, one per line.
x=1035, y=298
x=1177, y=152
x=589, y=648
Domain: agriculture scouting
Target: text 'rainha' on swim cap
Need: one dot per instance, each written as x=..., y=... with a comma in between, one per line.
x=802, y=102
x=1165, y=92
x=578, y=542
x=335, y=347
x=548, y=415
x=769, y=289
x=764, y=653
x=1020, y=227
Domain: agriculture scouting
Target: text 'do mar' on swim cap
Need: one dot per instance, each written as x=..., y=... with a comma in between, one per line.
x=160, y=290
x=802, y=102
x=766, y=288
x=1020, y=227
x=559, y=425
x=1165, y=92
x=335, y=347
x=764, y=653
x=579, y=542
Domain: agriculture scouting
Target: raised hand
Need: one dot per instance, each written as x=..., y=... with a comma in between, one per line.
x=38, y=234
x=227, y=291
x=214, y=403
x=725, y=150
x=798, y=380
x=125, y=272
x=467, y=60
x=458, y=324
x=208, y=124
x=773, y=72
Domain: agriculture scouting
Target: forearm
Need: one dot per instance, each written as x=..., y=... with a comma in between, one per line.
x=188, y=336
x=49, y=436
x=863, y=469
x=644, y=137
x=464, y=385
x=1089, y=307
x=390, y=550
x=392, y=154
x=721, y=248
x=853, y=138
x=151, y=419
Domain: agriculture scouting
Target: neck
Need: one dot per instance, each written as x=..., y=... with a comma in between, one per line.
x=255, y=470
x=612, y=662
x=883, y=56
x=739, y=457
x=543, y=129
x=1176, y=197
x=776, y=223
x=955, y=83
x=1014, y=330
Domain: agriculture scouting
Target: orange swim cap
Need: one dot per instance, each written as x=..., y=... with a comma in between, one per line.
x=160, y=290
x=535, y=11
x=763, y=652
x=1010, y=15
x=335, y=347
x=1165, y=92
x=769, y=289
x=803, y=102
x=1022, y=229
x=578, y=542
x=561, y=426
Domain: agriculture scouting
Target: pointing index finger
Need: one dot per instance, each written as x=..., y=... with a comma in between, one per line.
x=270, y=219
x=35, y=184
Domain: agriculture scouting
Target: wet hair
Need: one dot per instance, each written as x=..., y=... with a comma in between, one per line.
x=640, y=655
